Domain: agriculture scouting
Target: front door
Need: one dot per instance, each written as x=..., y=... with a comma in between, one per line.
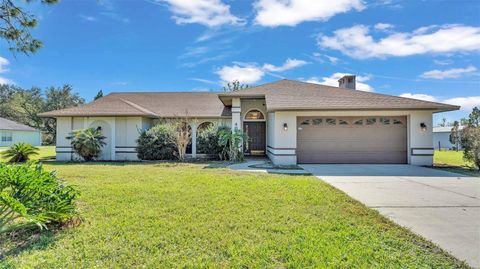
x=256, y=138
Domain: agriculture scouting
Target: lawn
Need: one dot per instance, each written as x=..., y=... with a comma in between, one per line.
x=168, y=215
x=453, y=161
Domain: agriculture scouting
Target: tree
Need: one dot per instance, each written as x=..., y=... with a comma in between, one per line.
x=99, y=95
x=15, y=26
x=443, y=123
x=87, y=143
x=471, y=138
x=235, y=86
x=455, y=135
x=180, y=134
x=463, y=121
x=20, y=152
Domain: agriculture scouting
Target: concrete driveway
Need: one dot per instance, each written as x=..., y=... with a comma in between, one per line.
x=441, y=206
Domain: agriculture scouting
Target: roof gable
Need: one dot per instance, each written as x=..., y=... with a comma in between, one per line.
x=6, y=124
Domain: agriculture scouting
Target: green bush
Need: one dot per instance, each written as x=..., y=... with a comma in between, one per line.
x=87, y=143
x=20, y=152
x=31, y=195
x=207, y=141
x=155, y=144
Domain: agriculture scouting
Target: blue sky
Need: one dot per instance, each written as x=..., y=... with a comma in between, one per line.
x=422, y=49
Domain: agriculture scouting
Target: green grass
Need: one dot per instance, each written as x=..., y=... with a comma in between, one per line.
x=172, y=215
x=44, y=153
x=453, y=161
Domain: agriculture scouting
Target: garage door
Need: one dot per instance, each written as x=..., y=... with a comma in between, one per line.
x=352, y=139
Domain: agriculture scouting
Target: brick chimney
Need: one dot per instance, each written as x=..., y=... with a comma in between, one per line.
x=347, y=82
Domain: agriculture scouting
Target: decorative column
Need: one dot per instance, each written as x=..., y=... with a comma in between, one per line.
x=194, y=139
x=236, y=114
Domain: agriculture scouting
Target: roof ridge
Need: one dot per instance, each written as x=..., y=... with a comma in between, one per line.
x=138, y=107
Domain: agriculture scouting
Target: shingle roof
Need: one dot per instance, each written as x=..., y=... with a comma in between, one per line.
x=446, y=129
x=279, y=95
x=296, y=95
x=150, y=104
x=6, y=124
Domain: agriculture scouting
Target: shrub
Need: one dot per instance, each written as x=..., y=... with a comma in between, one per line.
x=470, y=138
x=30, y=195
x=231, y=142
x=155, y=144
x=208, y=141
x=87, y=143
x=19, y=153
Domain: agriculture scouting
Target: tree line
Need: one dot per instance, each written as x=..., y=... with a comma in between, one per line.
x=24, y=105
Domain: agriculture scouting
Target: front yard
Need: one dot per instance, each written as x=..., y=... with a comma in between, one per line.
x=453, y=161
x=168, y=215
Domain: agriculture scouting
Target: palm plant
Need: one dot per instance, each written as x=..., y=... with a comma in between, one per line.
x=232, y=142
x=87, y=143
x=20, y=152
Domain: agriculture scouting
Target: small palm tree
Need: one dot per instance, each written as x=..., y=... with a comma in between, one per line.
x=20, y=152
x=87, y=143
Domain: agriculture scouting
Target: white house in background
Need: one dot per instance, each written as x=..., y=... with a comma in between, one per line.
x=441, y=137
x=289, y=121
x=13, y=132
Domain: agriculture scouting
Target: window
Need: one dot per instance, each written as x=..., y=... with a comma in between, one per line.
x=331, y=121
x=397, y=122
x=371, y=121
x=358, y=122
x=342, y=122
x=305, y=122
x=317, y=121
x=254, y=115
x=6, y=136
x=385, y=121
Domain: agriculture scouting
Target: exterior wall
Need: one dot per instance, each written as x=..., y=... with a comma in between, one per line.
x=283, y=146
x=29, y=137
x=127, y=131
x=441, y=140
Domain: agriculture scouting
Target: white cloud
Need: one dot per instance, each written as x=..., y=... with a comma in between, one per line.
x=289, y=64
x=200, y=90
x=244, y=74
x=252, y=72
x=466, y=103
x=442, y=62
x=383, y=26
x=357, y=42
x=419, y=96
x=449, y=73
x=210, y=13
x=87, y=18
x=333, y=81
x=3, y=69
x=273, y=13
x=322, y=58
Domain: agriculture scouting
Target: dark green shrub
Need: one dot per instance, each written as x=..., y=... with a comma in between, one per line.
x=207, y=141
x=30, y=195
x=87, y=143
x=156, y=144
x=20, y=152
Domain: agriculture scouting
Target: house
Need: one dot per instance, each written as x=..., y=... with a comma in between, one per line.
x=441, y=138
x=13, y=132
x=289, y=121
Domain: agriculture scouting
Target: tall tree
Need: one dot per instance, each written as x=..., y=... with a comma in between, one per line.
x=455, y=136
x=15, y=26
x=471, y=138
x=443, y=123
x=99, y=95
x=235, y=86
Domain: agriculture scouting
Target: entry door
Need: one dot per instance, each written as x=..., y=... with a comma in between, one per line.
x=256, y=138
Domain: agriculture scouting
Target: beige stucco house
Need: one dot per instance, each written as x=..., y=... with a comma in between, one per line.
x=289, y=121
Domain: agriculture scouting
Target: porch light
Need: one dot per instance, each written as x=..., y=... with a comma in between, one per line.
x=285, y=126
x=423, y=127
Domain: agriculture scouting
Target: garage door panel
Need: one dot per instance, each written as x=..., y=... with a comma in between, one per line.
x=352, y=143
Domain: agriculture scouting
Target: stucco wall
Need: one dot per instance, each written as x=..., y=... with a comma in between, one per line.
x=419, y=150
x=29, y=137
x=444, y=139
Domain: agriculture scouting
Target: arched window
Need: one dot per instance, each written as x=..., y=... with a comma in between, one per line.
x=254, y=114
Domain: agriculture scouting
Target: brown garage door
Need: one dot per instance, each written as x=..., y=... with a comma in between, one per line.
x=352, y=139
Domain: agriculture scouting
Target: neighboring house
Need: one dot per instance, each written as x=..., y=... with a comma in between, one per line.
x=13, y=132
x=441, y=137
x=289, y=121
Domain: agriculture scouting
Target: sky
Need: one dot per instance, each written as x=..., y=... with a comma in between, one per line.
x=427, y=50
